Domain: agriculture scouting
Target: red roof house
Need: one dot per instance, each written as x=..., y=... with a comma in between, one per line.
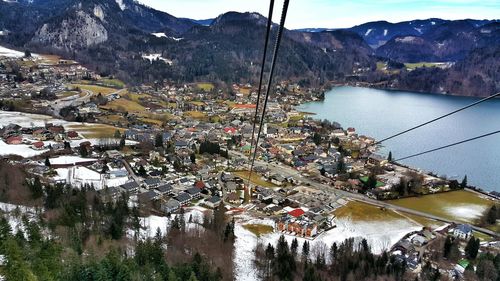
x=14, y=140
x=296, y=213
x=38, y=145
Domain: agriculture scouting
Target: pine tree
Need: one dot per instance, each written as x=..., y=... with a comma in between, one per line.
x=491, y=217
x=463, y=184
x=294, y=247
x=47, y=161
x=389, y=157
x=193, y=158
x=305, y=251
x=472, y=247
x=142, y=171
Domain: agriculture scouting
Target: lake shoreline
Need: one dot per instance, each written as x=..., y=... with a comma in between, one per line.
x=320, y=107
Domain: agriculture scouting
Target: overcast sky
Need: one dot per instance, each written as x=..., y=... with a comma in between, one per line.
x=335, y=13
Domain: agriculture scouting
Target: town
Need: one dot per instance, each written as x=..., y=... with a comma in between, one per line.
x=170, y=147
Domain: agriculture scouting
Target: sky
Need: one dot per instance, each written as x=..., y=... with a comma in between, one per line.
x=335, y=13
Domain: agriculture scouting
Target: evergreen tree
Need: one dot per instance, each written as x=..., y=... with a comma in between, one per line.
x=47, y=161
x=142, y=171
x=389, y=157
x=294, y=247
x=472, y=248
x=305, y=251
x=158, y=140
x=193, y=158
x=117, y=134
x=491, y=217
x=463, y=184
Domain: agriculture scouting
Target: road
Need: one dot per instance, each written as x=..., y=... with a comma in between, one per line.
x=290, y=172
x=76, y=100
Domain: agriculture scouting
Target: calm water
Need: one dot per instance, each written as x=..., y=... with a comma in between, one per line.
x=381, y=113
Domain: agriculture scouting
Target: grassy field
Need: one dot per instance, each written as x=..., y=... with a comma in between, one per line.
x=259, y=229
x=205, y=86
x=460, y=205
x=195, y=114
x=96, y=131
x=415, y=65
x=255, y=179
x=124, y=105
x=359, y=211
x=95, y=89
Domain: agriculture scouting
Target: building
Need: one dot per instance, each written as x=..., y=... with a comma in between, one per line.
x=130, y=187
x=184, y=198
x=213, y=202
x=462, y=231
x=170, y=206
x=194, y=192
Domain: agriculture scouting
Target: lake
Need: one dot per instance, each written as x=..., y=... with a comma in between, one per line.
x=382, y=113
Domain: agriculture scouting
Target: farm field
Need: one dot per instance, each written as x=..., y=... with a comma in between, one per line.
x=463, y=206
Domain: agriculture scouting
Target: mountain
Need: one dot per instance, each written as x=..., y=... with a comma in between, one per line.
x=449, y=41
x=205, y=22
x=115, y=36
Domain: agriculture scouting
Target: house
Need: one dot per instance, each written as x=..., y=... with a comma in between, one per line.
x=462, y=231
x=170, y=206
x=419, y=240
x=113, y=154
x=14, y=140
x=296, y=213
x=149, y=196
x=213, y=202
x=233, y=198
x=130, y=187
x=152, y=183
x=165, y=189
x=38, y=145
x=194, y=192
x=278, y=179
x=72, y=135
x=184, y=198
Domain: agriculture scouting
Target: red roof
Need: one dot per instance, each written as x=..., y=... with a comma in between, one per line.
x=244, y=106
x=230, y=130
x=38, y=144
x=199, y=184
x=296, y=213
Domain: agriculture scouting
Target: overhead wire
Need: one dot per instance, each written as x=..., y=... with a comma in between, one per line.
x=266, y=42
x=438, y=118
x=270, y=80
x=449, y=145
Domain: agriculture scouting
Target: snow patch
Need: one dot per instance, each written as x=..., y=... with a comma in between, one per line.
x=433, y=22
x=22, y=150
x=69, y=160
x=466, y=211
x=380, y=236
x=5, y=52
x=418, y=29
x=121, y=4
x=368, y=32
x=159, y=34
x=407, y=39
x=153, y=57
x=385, y=32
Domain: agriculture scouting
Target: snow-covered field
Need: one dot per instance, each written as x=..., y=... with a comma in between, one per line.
x=6, y=52
x=37, y=120
x=380, y=236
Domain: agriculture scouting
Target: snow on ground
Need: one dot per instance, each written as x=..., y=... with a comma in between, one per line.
x=22, y=150
x=159, y=34
x=465, y=211
x=78, y=176
x=379, y=234
x=67, y=159
x=368, y=32
x=385, y=32
x=14, y=214
x=121, y=4
x=153, y=57
x=4, y=52
x=152, y=223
